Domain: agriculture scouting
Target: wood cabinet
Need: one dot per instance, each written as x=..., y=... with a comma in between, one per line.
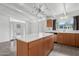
x=49, y=23
x=46, y=46
x=55, y=37
x=69, y=39
x=40, y=47
x=66, y=38
x=77, y=40
x=36, y=48
x=60, y=38
x=22, y=48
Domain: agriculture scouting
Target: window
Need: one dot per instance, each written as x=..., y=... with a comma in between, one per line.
x=64, y=24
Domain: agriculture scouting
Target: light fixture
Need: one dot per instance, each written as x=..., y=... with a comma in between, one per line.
x=65, y=12
x=16, y=20
x=40, y=10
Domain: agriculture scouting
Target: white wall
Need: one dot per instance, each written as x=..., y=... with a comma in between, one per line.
x=28, y=28
x=42, y=26
x=4, y=28
x=38, y=27
x=34, y=28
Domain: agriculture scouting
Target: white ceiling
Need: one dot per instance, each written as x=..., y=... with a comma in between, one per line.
x=25, y=10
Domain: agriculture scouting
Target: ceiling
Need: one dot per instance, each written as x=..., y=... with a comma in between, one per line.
x=24, y=11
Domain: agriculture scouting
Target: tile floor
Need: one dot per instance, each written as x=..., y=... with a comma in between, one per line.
x=62, y=50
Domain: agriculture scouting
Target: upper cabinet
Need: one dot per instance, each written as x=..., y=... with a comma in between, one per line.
x=49, y=23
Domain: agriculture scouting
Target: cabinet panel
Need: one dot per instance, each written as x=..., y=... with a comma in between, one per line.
x=33, y=51
x=48, y=45
x=22, y=48
x=69, y=39
x=40, y=47
x=60, y=38
x=49, y=23
x=77, y=40
x=36, y=48
x=66, y=38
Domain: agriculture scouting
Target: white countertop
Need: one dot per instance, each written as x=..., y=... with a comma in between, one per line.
x=33, y=37
x=68, y=31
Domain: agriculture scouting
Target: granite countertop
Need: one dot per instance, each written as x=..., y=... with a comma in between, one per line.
x=68, y=31
x=33, y=37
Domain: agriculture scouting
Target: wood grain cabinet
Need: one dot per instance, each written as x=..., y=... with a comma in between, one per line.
x=60, y=38
x=40, y=47
x=36, y=48
x=22, y=48
x=48, y=45
x=69, y=39
x=77, y=40
x=49, y=23
x=66, y=38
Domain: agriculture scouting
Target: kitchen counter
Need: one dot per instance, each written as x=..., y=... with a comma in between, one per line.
x=68, y=31
x=33, y=37
x=35, y=45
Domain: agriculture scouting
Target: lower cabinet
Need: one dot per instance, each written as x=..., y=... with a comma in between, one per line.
x=60, y=38
x=36, y=48
x=40, y=47
x=22, y=48
x=77, y=40
x=70, y=39
x=48, y=44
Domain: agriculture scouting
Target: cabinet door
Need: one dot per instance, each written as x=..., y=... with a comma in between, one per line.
x=77, y=40
x=36, y=48
x=49, y=23
x=25, y=49
x=48, y=44
x=60, y=38
x=33, y=51
x=22, y=48
x=51, y=42
x=69, y=39
x=19, y=48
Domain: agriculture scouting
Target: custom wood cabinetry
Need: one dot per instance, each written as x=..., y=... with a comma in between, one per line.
x=49, y=23
x=66, y=38
x=69, y=39
x=60, y=38
x=36, y=48
x=77, y=40
x=48, y=44
x=40, y=47
x=22, y=48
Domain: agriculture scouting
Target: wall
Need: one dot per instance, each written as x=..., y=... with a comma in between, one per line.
x=34, y=28
x=28, y=28
x=4, y=28
x=17, y=32
x=42, y=26
x=38, y=27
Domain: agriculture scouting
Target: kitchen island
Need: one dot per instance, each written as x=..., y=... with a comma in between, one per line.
x=35, y=45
